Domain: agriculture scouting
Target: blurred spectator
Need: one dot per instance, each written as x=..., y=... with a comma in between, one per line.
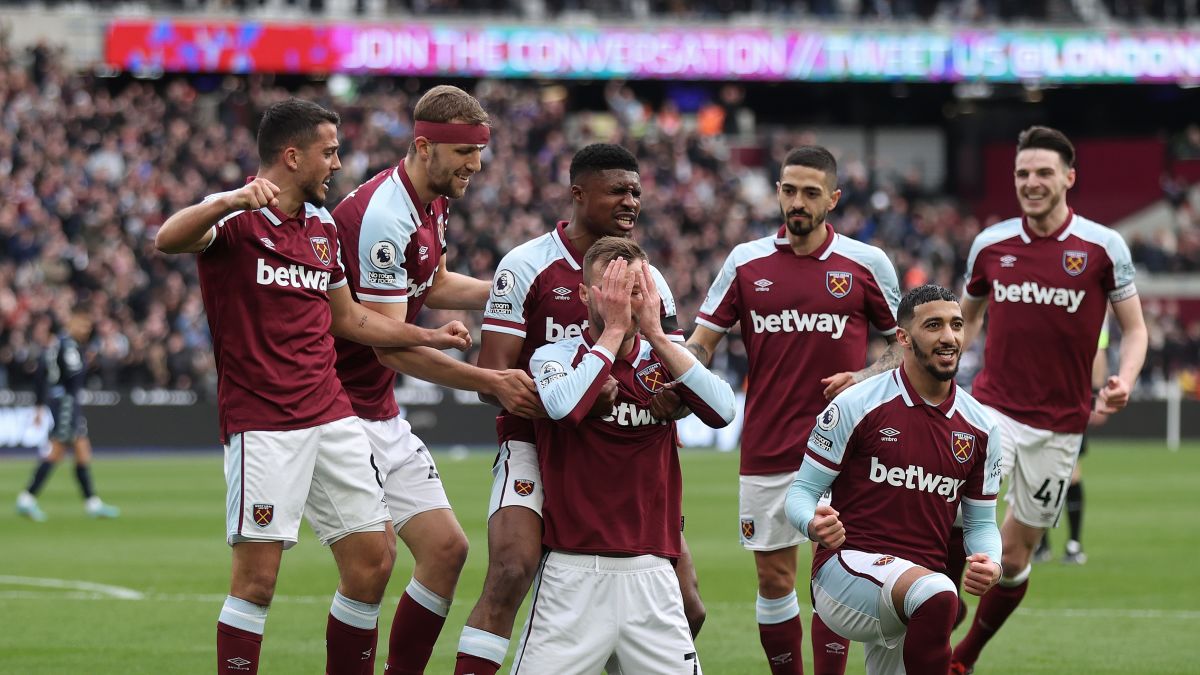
x=89, y=168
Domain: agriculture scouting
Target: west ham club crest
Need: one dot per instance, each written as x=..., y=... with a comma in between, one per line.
x=263, y=514
x=1074, y=262
x=653, y=377
x=838, y=283
x=321, y=248
x=962, y=445
x=523, y=487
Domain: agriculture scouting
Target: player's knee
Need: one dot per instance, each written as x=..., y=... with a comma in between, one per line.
x=256, y=586
x=1016, y=559
x=510, y=578
x=451, y=552
x=776, y=582
x=934, y=598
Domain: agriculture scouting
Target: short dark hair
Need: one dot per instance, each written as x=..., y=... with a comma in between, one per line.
x=291, y=123
x=602, y=157
x=919, y=296
x=813, y=157
x=607, y=249
x=1045, y=138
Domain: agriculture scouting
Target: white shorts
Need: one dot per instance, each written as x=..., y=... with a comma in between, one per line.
x=1039, y=464
x=516, y=478
x=410, y=478
x=763, y=523
x=591, y=613
x=852, y=592
x=324, y=473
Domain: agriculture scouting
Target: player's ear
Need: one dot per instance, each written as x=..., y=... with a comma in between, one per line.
x=834, y=198
x=576, y=193
x=583, y=293
x=903, y=338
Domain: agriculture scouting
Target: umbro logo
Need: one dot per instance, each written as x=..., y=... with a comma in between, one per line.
x=1008, y=260
x=267, y=242
x=423, y=252
x=889, y=435
x=763, y=285
x=238, y=663
x=782, y=659
x=835, y=648
x=562, y=293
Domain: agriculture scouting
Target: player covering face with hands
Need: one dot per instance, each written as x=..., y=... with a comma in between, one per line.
x=607, y=596
x=901, y=451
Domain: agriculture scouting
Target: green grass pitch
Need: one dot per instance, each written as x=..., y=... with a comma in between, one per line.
x=1133, y=608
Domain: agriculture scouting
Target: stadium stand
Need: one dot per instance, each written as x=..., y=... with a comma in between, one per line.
x=90, y=166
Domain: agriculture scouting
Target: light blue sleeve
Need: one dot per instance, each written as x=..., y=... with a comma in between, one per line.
x=709, y=396
x=812, y=481
x=980, y=534
x=1123, y=270
x=567, y=389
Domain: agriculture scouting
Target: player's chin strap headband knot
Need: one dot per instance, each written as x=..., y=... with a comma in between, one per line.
x=446, y=132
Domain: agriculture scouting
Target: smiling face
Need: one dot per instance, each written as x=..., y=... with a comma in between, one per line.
x=450, y=167
x=1042, y=180
x=316, y=163
x=609, y=201
x=935, y=336
x=806, y=196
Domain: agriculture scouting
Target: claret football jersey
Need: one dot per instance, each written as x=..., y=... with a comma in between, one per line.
x=802, y=318
x=394, y=245
x=535, y=296
x=902, y=465
x=1047, y=297
x=265, y=279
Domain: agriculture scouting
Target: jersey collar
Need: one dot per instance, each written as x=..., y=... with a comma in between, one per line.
x=631, y=358
x=572, y=256
x=822, y=252
x=1060, y=234
x=913, y=399
x=424, y=210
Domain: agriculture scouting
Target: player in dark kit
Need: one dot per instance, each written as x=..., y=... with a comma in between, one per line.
x=606, y=596
x=1046, y=280
x=806, y=298
x=533, y=302
x=59, y=382
x=274, y=289
x=902, y=451
x=392, y=229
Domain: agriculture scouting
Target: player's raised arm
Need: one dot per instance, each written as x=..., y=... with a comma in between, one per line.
x=709, y=396
x=352, y=321
x=513, y=388
x=191, y=229
x=569, y=392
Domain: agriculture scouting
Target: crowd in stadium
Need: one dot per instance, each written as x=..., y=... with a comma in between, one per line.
x=90, y=167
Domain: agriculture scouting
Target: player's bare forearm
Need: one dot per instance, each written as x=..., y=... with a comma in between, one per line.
x=432, y=365
x=364, y=325
x=187, y=231
x=452, y=290
x=373, y=329
x=888, y=360
x=1134, y=339
x=703, y=344
x=700, y=352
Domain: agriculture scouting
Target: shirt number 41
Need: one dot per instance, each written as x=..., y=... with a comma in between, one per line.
x=1043, y=493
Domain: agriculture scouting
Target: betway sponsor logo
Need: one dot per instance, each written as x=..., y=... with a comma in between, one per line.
x=629, y=415
x=556, y=331
x=792, y=321
x=415, y=291
x=296, y=276
x=1031, y=293
x=915, y=478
